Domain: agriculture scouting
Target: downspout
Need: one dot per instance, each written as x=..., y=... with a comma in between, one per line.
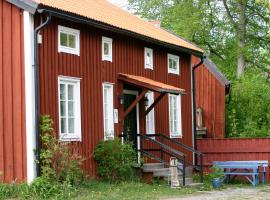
x=193, y=80
x=36, y=82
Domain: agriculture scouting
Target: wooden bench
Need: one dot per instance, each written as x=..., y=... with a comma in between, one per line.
x=244, y=168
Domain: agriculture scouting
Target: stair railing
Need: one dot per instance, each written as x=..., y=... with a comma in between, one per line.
x=188, y=148
x=164, y=149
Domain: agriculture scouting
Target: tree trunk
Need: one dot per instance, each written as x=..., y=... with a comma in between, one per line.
x=241, y=62
x=241, y=34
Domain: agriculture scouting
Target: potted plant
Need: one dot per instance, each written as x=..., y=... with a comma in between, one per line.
x=217, y=176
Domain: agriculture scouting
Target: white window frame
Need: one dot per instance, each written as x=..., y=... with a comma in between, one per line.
x=108, y=134
x=150, y=117
x=177, y=132
x=69, y=31
x=177, y=59
x=151, y=65
x=77, y=135
x=109, y=41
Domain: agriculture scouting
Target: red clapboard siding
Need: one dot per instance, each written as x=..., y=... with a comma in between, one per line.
x=12, y=103
x=128, y=57
x=234, y=149
x=210, y=96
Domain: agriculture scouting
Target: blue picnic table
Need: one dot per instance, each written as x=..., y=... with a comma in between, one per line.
x=249, y=169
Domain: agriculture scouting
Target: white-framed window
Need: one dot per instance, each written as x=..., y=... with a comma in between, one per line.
x=108, y=111
x=173, y=64
x=68, y=40
x=107, y=49
x=69, y=108
x=148, y=58
x=175, y=117
x=150, y=117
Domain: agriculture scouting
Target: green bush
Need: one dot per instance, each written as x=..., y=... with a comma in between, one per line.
x=115, y=161
x=248, y=108
x=58, y=163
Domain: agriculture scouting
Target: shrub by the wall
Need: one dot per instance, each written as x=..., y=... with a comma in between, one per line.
x=58, y=163
x=115, y=161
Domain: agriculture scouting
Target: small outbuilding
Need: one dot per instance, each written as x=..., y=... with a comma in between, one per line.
x=211, y=89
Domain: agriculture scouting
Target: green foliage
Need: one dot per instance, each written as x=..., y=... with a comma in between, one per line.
x=115, y=161
x=58, y=163
x=216, y=172
x=248, y=109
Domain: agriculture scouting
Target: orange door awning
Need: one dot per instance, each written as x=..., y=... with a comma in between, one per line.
x=150, y=84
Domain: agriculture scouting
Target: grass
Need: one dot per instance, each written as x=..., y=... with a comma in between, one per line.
x=131, y=191
x=96, y=190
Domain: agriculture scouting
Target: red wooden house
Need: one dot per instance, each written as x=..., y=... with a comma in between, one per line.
x=99, y=72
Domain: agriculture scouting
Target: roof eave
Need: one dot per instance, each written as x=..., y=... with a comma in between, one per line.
x=27, y=5
x=80, y=19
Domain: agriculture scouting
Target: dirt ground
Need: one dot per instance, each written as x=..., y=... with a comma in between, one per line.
x=259, y=193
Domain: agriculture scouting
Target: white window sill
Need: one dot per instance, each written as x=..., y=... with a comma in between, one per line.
x=176, y=137
x=174, y=72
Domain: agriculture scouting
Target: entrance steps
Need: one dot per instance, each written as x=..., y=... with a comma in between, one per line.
x=159, y=170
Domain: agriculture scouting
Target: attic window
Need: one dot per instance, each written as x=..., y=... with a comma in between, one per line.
x=148, y=58
x=106, y=49
x=173, y=64
x=68, y=40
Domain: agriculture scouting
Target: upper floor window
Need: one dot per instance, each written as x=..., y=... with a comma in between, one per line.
x=150, y=117
x=107, y=49
x=69, y=109
x=148, y=58
x=175, y=119
x=108, y=111
x=68, y=40
x=173, y=64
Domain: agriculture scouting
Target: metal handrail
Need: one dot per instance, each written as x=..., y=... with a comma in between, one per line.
x=181, y=144
x=170, y=151
x=165, y=149
x=189, y=149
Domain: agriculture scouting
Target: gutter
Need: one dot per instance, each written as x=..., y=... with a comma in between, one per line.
x=36, y=82
x=193, y=85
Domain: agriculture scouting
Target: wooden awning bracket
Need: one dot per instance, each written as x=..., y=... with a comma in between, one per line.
x=161, y=95
x=134, y=103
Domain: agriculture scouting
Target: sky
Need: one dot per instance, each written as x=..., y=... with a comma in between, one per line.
x=120, y=3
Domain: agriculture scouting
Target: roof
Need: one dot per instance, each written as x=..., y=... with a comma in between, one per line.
x=107, y=13
x=150, y=84
x=215, y=71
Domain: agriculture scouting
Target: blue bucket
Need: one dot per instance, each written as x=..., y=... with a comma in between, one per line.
x=216, y=182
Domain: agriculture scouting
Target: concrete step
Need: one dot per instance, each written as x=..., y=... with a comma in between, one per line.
x=194, y=184
x=163, y=172
x=189, y=170
x=150, y=167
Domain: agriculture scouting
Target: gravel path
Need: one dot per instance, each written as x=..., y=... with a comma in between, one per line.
x=261, y=193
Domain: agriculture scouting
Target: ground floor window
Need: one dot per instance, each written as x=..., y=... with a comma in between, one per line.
x=108, y=111
x=69, y=109
x=175, y=116
x=150, y=117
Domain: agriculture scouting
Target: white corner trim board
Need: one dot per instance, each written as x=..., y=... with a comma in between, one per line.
x=29, y=95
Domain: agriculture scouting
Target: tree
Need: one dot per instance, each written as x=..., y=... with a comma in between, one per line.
x=235, y=33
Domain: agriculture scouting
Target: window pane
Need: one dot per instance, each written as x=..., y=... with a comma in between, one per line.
x=63, y=125
x=71, y=108
x=72, y=41
x=63, y=39
x=148, y=58
x=62, y=92
x=170, y=64
x=106, y=48
x=70, y=92
x=174, y=64
x=63, y=108
x=71, y=125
